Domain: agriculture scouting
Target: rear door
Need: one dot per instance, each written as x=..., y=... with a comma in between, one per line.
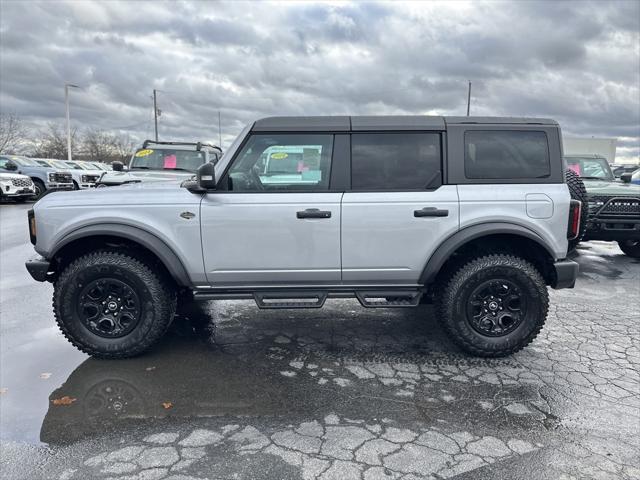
x=397, y=211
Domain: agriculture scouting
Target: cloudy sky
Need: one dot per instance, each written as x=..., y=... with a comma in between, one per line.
x=577, y=62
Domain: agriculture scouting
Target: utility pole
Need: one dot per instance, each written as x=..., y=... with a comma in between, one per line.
x=155, y=113
x=219, y=130
x=469, y=98
x=66, y=104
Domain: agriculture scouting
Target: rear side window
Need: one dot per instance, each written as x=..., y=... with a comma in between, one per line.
x=395, y=161
x=506, y=154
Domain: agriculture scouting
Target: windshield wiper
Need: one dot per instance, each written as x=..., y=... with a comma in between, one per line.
x=596, y=178
x=181, y=169
x=139, y=168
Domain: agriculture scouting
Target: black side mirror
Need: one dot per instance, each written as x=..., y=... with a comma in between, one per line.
x=117, y=166
x=12, y=167
x=206, y=176
x=626, y=177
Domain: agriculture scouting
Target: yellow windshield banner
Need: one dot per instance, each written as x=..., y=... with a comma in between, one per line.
x=279, y=155
x=144, y=153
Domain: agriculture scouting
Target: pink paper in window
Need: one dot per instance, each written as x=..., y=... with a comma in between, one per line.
x=170, y=161
x=302, y=167
x=575, y=168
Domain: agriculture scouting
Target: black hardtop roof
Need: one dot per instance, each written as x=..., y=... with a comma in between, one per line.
x=383, y=122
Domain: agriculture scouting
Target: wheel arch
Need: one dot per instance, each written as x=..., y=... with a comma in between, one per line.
x=487, y=238
x=92, y=237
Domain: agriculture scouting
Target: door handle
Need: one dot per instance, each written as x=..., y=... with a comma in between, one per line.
x=313, y=213
x=431, y=212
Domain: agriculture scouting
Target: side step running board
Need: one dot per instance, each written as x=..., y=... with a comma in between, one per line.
x=290, y=299
x=389, y=298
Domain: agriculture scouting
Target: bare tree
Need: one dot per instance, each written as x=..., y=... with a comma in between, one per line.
x=52, y=142
x=100, y=145
x=12, y=132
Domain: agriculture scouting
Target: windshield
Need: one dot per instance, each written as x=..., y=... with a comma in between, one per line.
x=44, y=163
x=590, y=168
x=87, y=166
x=73, y=165
x=100, y=167
x=25, y=162
x=59, y=164
x=167, y=159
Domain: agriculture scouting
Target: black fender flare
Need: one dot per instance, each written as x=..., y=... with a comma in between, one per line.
x=458, y=239
x=138, y=235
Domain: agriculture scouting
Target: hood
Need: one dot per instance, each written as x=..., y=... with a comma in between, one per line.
x=9, y=176
x=608, y=187
x=167, y=192
x=136, y=176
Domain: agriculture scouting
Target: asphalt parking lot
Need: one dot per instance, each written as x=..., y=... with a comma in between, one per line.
x=337, y=393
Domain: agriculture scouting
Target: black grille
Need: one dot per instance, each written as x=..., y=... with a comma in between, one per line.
x=21, y=182
x=622, y=206
x=63, y=177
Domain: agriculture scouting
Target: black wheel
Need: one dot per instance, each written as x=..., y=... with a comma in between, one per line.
x=39, y=187
x=494, y=305
x=75, y=185
x=630, y=247
x=111, y=305
x=578, y=192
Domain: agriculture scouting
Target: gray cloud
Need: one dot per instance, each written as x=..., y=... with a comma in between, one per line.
x=578, y=62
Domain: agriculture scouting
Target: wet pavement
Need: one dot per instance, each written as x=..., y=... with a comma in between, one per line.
x=337, y=393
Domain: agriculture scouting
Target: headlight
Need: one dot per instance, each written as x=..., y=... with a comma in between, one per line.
x=595, y=205
x=52, y=177
x=85, y=179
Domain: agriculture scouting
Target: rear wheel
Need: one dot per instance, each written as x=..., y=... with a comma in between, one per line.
x=112, y=305
x=630, y=247
x=578, y=192
x=494, y=305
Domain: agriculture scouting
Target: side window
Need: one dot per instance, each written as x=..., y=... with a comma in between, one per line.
x=3, y=163
x=495, y=154
x=283, y=162
x=395, y=161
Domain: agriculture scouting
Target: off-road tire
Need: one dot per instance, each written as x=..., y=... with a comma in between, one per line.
x=630, y=248
x=451, y=301
x=157, y=299
x=40, y=188
x=578, y=192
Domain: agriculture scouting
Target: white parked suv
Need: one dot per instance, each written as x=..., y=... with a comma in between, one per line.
x=16, y=186
x=471, y=213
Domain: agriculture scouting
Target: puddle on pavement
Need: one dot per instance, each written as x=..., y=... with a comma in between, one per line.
x=256, y=364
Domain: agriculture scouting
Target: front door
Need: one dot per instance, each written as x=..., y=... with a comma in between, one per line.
x=274, y=220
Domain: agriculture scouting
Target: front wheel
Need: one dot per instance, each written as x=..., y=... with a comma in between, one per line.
x=494, y=305
x=630, y=247
x=39, y=187
x=112, y=305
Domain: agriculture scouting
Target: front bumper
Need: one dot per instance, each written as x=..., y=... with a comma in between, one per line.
x=38, y=268
x=566, y=274
x=613, y=229
x=59, y=186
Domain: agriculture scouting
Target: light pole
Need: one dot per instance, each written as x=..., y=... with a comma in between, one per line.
x=66, y=103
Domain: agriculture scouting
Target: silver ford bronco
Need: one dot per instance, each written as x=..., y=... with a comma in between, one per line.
x=472, y=214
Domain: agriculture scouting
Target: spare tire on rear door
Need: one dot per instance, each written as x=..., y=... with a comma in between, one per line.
x=578, y=192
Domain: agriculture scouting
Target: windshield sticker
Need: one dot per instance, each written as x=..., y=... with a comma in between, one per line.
x=170, y=161
x=279, y=155
x=144, y=153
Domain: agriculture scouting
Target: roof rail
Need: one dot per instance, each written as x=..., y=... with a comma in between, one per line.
x=198, y=145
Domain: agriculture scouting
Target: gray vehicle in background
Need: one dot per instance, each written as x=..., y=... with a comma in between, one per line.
x=470, y=213
x=45, y=177
x=159, y=161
